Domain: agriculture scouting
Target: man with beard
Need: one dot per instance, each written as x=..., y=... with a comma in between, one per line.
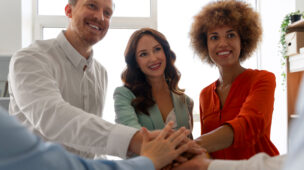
x=58, y=89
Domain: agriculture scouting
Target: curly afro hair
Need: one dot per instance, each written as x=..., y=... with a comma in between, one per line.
x=238, y=15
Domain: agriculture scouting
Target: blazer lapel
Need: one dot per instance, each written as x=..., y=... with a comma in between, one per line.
x=181, y=110
x=156, y=117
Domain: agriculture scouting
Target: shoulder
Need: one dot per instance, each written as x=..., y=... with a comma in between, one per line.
x=39, y=46
x=260, y=75
x=182, y=98
x=38, y=51
x=189, y=100
x=267, y=74
x=122, y=90
x=35, y=57
x=257, y=79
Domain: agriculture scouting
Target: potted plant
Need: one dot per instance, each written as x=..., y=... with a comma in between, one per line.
x=288, y=19
x=295, y=16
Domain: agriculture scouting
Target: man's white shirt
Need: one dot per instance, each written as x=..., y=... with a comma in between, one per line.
x=52, y=93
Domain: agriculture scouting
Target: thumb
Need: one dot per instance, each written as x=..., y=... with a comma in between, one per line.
x=145, y=135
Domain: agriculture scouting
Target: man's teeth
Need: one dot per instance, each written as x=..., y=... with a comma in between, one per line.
x=224, y=53
x=94, y=26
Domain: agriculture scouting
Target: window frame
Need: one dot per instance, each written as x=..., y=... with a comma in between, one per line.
x=56, y=21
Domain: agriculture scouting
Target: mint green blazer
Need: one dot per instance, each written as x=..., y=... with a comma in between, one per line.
x=126, y=115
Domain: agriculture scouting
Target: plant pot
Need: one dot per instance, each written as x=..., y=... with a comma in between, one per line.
x=294, y=18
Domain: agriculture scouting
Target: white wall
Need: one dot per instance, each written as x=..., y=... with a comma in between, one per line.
x=273, y=12
x=175, y=25
x=10, y=30
x=300, y=5
x=27, y=24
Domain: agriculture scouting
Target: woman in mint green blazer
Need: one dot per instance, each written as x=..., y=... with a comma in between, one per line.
x=150, y=96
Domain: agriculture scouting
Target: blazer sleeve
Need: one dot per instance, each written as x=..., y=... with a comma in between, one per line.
x=256, y=112
x=125, y=112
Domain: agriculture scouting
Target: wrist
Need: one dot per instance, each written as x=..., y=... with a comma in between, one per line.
x=153, y=160
x=206, y=163
x=200, y=142
x=135, y=143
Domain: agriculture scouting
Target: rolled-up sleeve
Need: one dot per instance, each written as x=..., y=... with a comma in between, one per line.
x=256, y=112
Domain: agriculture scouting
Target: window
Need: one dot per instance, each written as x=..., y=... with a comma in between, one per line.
x=49, y=16
x=47, y=7
x=136, y=8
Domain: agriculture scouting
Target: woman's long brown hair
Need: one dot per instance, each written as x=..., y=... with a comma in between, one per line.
x=134, y=79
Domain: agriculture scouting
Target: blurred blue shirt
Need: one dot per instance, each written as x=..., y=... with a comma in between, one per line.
x=19, y=149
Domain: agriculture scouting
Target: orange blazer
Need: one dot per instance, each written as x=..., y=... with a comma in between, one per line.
x=248, y=109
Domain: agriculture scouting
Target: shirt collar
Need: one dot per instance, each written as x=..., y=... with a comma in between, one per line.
x=72, y=54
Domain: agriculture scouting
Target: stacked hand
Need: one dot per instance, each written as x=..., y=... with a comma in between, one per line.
x=195, y=158
x=165, y=147
x=198, y=162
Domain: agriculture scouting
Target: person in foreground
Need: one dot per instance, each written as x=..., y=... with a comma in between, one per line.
x=22, y=150
x=235, y=110
x=150, y=96
x=57, y=89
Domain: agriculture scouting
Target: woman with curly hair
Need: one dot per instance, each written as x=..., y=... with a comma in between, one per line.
x=235, y=110
x=150, y=96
